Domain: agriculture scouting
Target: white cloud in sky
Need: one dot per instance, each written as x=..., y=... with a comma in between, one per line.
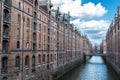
x=79, y=11
x=92, y=24
x=95, y=29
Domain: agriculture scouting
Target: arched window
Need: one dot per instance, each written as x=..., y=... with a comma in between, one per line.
x=27, y=61
x=35, y=4
x=27, y=45
x=44, y=58
x=39, y=59
x=33, y=61
x=51, y=57
x=17, y=62
x=18, y=44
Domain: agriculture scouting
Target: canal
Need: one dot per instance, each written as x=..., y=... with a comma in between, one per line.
x=94, y=69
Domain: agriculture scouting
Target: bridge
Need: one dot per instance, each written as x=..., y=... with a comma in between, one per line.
x=89, y=55
x=95, y=54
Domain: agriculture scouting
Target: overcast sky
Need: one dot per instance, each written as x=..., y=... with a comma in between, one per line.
x=92, y=17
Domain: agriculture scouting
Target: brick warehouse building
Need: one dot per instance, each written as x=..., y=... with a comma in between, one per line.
x=37, y=42
x=103, y=47
x=113, y=44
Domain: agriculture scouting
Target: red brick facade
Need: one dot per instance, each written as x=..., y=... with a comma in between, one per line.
x=33, y=44
x=113, y=44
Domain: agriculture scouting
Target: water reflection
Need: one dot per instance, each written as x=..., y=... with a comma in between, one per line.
x=95, y=69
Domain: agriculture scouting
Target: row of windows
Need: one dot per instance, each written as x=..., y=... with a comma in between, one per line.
x=17, y=60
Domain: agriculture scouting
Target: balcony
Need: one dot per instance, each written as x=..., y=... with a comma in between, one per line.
x=17, y=69
x=5, y=32
x=34, y=38
x=35, y=9
x=35, y=21
x=4, y=70
x=4, y=48
x=33, y=63
x=34, y=29
x=34, y=49
x=33, y=68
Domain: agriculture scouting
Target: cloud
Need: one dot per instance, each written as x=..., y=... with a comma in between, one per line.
x=95, y=29
x=89, y=10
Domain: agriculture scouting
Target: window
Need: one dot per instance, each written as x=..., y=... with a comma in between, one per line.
x=24, y=19
x=39, y=45
x=6, y=15
x=19, y=4
x=39, y=59
x=27, y=45
x=51, y=57
x=44, y=58
x=4, y=65
x=39, y=40
x=40, y=16
x=17, y=61
x=47, y=58
x=55, y=57
x=18, y=33
x=4, y=48
x=34, y=48
x=30, y=1
x=27, y=35
x=28, y=22
x=7, y=2
x=44, y=29
x=28, y=10
x=34, y=36
x=33, y=61
x=19, y=19
x=27, y=61
x=5, y=31
x=18, y=44
x=83, y=43
x=40, y=27
x=45, y=19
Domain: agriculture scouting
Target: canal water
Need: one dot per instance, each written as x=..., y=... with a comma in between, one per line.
x=94, y=69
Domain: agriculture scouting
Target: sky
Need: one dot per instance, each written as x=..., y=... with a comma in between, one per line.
x=91, y=17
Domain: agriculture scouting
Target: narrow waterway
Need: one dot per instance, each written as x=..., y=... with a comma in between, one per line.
x=94, y=69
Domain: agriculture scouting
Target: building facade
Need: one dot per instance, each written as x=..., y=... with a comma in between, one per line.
x=103, y=47
x=113, y=44
x=34, y=44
